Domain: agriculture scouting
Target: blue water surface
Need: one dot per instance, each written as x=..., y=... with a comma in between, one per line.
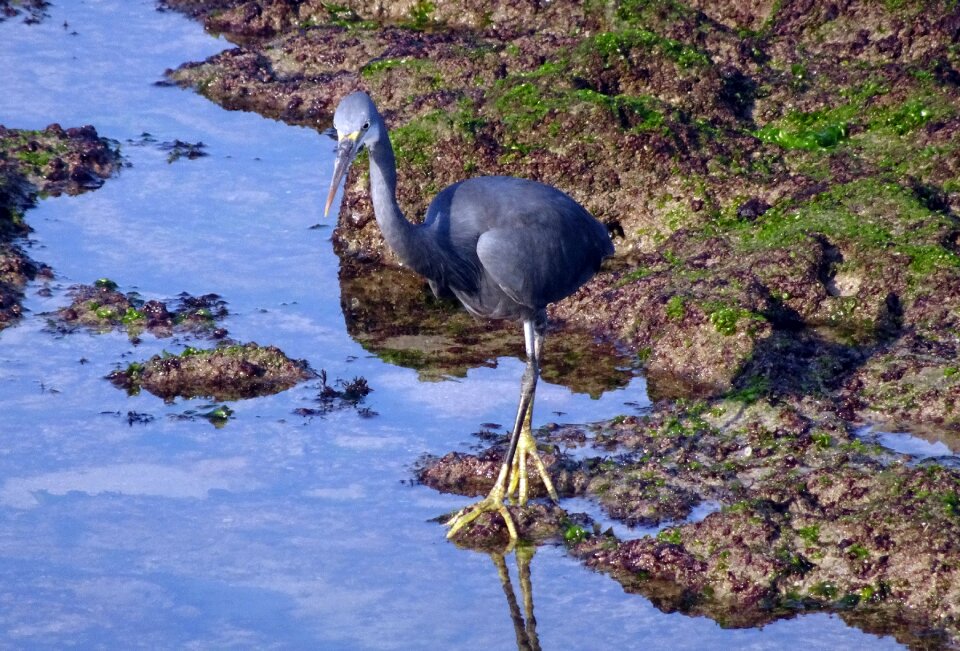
x=275, y=531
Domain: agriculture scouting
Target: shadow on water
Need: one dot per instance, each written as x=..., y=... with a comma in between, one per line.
x=393, y=314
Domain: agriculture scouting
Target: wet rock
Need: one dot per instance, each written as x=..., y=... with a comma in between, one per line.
x=179, y=149
x=752, y=208
x=15, y=270
x=55, y=161
x=474, y=475
x=101, y=307
x=534, y=522
x=844, y=540
x=227, y=373
x=812, y=519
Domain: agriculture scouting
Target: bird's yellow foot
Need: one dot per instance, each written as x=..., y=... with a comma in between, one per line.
x=492, y=503
x=527, y=447
x=514, y=477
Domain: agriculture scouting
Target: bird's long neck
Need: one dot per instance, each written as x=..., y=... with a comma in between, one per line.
x=401, y=236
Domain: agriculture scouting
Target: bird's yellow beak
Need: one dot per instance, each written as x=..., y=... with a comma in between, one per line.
x=347, y=148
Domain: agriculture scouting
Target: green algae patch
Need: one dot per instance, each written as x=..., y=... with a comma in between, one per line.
x=619, y=44
x=806, y=131
x=226, y=373
x=526, y=102
x=869, y=220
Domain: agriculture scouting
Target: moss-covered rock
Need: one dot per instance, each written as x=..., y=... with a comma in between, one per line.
x=811, y=517
x=226, y=373
x=698, y=130
x=101, y=307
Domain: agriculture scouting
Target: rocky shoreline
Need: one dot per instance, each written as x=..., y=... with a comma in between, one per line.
x=783, y=194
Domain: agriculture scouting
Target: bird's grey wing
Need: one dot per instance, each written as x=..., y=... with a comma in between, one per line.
x=534, y=268
x=508, y=260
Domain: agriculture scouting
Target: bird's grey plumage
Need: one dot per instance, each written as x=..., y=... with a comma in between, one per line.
x=506, y=247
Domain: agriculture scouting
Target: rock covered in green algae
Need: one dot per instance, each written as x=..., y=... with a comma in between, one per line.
x=101, y=307
x=226, y=373
x=535, y=522
x=880, y=544
x=58, y=161
x=15, y=270
x=51, y=161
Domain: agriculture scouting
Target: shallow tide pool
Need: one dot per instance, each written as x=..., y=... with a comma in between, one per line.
x=276, y=530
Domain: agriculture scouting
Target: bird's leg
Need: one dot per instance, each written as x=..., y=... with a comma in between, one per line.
x=534, y=332
x=513, y=472
x=494, y=500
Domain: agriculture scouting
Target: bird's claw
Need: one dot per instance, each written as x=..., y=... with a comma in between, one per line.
x=492, y=503
x=517, y=485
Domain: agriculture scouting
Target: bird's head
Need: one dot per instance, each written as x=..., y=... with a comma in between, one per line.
x=357, y=123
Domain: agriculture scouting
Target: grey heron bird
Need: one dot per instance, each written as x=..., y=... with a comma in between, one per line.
x=505, y=247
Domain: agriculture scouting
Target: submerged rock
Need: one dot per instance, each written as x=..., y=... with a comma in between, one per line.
x=395, y=316
x=227, y=373
x=36, y=10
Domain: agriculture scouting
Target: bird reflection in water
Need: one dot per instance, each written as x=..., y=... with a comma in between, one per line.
x=524, y=623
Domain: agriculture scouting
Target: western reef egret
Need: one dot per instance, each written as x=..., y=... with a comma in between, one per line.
x=505, y=247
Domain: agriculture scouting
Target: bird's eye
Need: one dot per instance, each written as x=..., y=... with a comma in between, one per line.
x=366, y=125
